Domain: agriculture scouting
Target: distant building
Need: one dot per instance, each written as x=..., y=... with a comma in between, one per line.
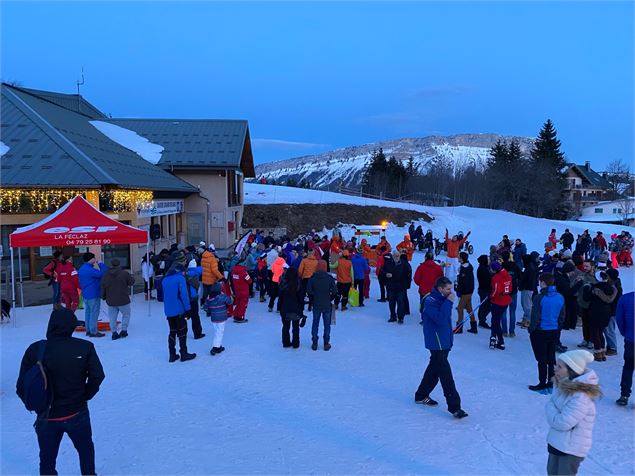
x=585, y=187
x=617, y=211
x=184, y=175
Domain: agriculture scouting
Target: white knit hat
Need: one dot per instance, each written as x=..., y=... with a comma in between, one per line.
x=576, y=360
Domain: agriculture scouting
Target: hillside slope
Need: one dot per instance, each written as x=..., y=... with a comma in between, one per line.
x=346, y=165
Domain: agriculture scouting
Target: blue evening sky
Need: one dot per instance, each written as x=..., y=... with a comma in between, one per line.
x=315, y=76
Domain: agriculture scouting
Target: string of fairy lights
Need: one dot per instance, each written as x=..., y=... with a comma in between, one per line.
x=49, y=200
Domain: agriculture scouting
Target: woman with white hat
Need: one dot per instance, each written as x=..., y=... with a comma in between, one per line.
x=571, y=412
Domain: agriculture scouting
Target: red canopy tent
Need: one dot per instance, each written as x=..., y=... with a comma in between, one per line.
x=77, y=223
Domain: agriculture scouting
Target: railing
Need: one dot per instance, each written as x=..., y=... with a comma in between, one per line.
x=361, y=193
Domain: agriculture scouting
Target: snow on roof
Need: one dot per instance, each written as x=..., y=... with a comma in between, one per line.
x=3, y=148
x=130, y=140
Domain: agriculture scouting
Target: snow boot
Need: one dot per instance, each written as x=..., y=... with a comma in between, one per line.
x=123, y=334
x=622, y=401
x=611, y=352
x=427, y=401
x=599, y=356
x=484, y=324
x=392, y=319
x=400, y=321
x=215, y=350
x=200, y=336
x=115, y=335
x=473, y=328
x=538, y=388
x=174, y=357
x=500, y=346
x=459, y=414
x=492, y=342
x=270, y=309
x=314, y=345
x=185, y=356
x=240, y=320
x=327, y=346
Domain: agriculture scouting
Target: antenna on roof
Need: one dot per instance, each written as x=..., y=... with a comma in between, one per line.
x=80, y=83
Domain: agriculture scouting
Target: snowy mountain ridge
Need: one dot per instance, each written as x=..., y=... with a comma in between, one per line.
x=346, y=164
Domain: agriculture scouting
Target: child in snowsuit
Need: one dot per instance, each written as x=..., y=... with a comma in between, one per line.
x=69, y=283
x=571, y=412
x=241, y=282
x=216, y=309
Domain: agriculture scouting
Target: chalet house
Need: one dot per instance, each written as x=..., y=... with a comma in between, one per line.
x=585, y=187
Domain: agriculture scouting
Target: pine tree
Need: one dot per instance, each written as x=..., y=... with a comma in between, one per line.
x=548, y=175
x=411, y=166
x=498, y=154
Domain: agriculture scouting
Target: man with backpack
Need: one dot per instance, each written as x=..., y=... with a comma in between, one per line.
x=73, y=373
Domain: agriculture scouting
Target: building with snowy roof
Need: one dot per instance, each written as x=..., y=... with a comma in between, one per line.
x=184, y=175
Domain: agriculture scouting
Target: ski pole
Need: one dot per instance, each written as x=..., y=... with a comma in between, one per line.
x=460, y=324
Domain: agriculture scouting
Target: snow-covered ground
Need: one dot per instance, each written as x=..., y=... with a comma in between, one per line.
x=259, y=408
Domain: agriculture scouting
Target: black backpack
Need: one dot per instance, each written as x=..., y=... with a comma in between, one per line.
x=37, y=394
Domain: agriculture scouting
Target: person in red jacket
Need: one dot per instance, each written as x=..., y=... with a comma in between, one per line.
x=69, y=283
x=500, y=298
x=241, y=281
x=427, y=274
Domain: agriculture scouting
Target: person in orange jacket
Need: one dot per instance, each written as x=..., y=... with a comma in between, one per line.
x=454, y=245
x=407, y=247
x=210, y=271
x=344, y=279
x=307, y=268
x=277, y=269
x=367, y=251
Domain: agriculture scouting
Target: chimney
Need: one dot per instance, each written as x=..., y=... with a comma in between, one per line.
x=587, y=165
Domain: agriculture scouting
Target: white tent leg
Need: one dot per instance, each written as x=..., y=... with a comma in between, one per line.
x=13, y=311
x=149, y=288
x=20, y=271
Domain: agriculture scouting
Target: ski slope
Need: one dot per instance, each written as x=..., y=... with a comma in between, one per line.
x=261, y=409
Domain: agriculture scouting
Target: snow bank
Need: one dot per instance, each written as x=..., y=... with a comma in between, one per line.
x=3, y=148
x=130, y=140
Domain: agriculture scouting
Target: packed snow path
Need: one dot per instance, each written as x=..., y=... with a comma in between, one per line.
x=259, y=408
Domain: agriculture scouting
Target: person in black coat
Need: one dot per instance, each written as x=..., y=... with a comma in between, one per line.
x=600, y=296
x=398, y=284
x=567, y=239
x=75, y=374
x=484, y=277
x=465, y=289
x=527, y=288
x=562, y=277
x=291, y=303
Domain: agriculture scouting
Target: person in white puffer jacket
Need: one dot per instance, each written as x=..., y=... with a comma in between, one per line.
x=571, y=412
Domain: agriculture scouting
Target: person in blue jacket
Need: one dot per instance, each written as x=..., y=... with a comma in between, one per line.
x=176, y=304
x=547, y=317
x=437, y=332
x=625, y=323
x=360, y=266
x=90, y=274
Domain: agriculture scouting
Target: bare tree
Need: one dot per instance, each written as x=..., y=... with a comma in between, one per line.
x=626, y=205
x=618, y=174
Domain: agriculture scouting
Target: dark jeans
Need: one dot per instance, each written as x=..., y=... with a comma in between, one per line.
x=627, y=371
x=178, y=329
x=342, y=294
x=207, y=291
x=497, y=313
x=195, y=317
x=147, y=287
x=439, y=369
x=359, y=285
x=382, y=288
x=273, y=294
x=49, y=437
x=57, y=295
x=586, y=324
x=570, y=312
x=483, y=311
x=563, y=465
x=397, y=304
x=286, y=340
x=325, y=314
x=543, y=343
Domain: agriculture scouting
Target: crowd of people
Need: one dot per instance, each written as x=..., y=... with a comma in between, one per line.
x=573, y=280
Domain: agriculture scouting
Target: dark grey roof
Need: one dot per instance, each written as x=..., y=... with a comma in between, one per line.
x=50, y=145
x=191, y=143
x=592, y=176
x=72, y=102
